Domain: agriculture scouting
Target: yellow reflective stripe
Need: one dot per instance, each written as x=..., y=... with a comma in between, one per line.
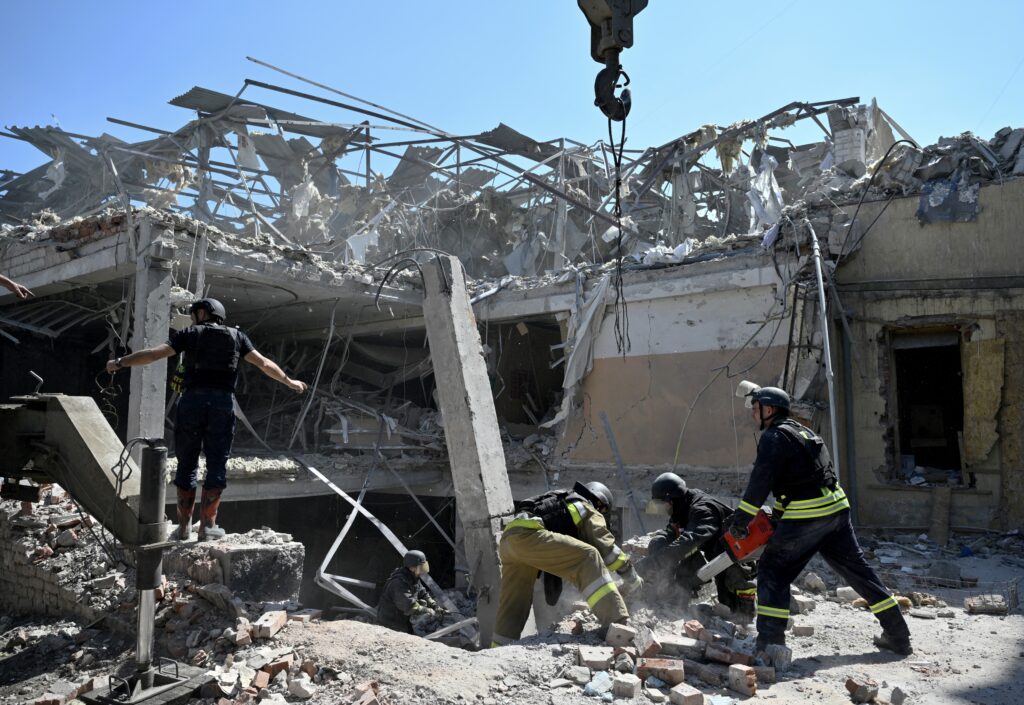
x=619, y=562
x=601, y=592
x=749, y=508
x=817, y=513
x=883, y=605
x=776, y=612
x=615, y=558
x=574, y=512
x=525, y=524
x=826, y=498
x=747, y=591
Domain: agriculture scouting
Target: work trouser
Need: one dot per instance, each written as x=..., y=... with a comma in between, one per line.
x=525, y=551
x=205, y=423
x=790, y=549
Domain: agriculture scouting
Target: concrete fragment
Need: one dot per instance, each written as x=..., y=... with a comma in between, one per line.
x=305, y=616
x=302, y=687
x=693, y=628
x=620, y=635
x=779, y=656
x=671, y=671
x=597, y=658
x=765, y=674
x=682, y=646
x=270, y=623
x=803, y=630
x=264, y=571
x=898, y=697
x=986, y=604
x=656, y=696
x=946, y=614
x=861, y=690
x=684, y=694
x=923, y=614
x=742, y=679
x=846, y=594
x=623, y=663
x=580, y=675
x=626, y=685
x=799, y=604
x=814, y=583
x=67, y=538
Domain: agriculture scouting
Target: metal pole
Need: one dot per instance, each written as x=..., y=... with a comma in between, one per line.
x=826, y=348
x=622, y=472
x=149, y=560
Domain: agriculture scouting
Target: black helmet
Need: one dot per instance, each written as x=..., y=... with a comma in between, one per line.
x=770, y=396
x=213, y=307
x=414, y=558
x=668, y=486
x=595, y=492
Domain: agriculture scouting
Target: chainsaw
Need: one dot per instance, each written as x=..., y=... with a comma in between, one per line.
x=741, y=550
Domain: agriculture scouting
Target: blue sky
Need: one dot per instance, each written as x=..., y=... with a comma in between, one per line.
x=938, y=68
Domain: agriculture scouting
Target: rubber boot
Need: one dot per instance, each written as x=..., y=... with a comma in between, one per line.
x=186, y=501
x=897, y=644
x=208, y=529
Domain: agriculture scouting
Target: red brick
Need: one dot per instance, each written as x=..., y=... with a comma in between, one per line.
x=270, y=623
x=693, y=628
x=282, y=664
x=684, y=694
x=261, y=680
x=742, y=679
x=669, y=670
x=647, y=645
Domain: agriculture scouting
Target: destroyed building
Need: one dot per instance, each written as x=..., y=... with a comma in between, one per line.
x=613, y=348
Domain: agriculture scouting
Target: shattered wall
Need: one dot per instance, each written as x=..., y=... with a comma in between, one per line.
x=951, y=276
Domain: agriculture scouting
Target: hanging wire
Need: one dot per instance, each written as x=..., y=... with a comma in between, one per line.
x=622, y=341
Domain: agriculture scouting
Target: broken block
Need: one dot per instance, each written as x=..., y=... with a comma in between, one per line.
x=765, y=674
x=278, y=665
x=580, y=675
x=801, y=605
x=261, y=680
x=862, y=690
x=684, y=694
x=626, y=685
x=620, y=635
x=710, y=673
x=671, y=671
x=846, y=594
x=270, y=623
x=682, y=646
x=305, y=616
x=742, y=679
x=803, y=630
x=597, y=658
x=693, y=628
x=267, y=571
x=647, y=645
x=779, y=656
x=986, y=604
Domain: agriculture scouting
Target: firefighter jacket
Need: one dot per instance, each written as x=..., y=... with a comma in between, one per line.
x=794, y=465
x=403, y=596
x=698, y=521
x=565, y=512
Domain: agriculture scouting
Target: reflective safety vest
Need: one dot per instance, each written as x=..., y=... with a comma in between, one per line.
x=560, y=511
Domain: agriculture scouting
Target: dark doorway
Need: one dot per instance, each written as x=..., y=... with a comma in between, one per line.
x=929, y=389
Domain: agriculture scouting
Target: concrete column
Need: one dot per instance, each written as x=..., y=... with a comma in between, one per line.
x=477, y=459
x=147, y=391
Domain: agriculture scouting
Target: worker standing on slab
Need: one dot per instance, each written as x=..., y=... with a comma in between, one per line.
x=693, y=536
x=563, y=533
x=794, y=465
x=205, y=421
x=404, y=596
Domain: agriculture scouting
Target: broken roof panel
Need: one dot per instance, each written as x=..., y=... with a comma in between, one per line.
x=508, y=140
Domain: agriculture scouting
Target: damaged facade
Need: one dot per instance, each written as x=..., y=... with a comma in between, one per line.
x=297, y=223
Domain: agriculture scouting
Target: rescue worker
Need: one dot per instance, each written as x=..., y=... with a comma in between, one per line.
x=205, y=420
x=693, y=536
x=813, y=515
x=404, y=596
x=563, y=533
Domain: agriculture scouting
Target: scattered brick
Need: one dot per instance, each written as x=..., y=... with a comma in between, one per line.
x=620, y=635
x=626, y=685
x=862, y=690
x=765, y=674
x=647, y=644
x=261, y=680
x=805, y=630
x=693, y=628
x=672, y=671
x=281, y=664
x=683, y=646
x=597, y=658
x=270, y=623
x=986, y=604
x=684, y=694
x=742, y=679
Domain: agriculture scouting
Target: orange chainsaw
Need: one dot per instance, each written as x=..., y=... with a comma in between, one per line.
x=741, y=550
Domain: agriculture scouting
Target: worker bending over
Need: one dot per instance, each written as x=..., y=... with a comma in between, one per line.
x=794, y=465
x=693, y=536
x=565, y=534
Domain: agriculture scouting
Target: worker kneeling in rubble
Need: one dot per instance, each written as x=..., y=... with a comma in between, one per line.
x=565, y=535
x=813, y=517
x=404, y=596
x=693, y=536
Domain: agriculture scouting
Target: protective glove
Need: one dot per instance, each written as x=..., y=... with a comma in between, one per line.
x=631, y=582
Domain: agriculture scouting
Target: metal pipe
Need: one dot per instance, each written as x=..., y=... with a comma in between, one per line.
x=149, y=558
x=851, y=450
x=826, y=348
